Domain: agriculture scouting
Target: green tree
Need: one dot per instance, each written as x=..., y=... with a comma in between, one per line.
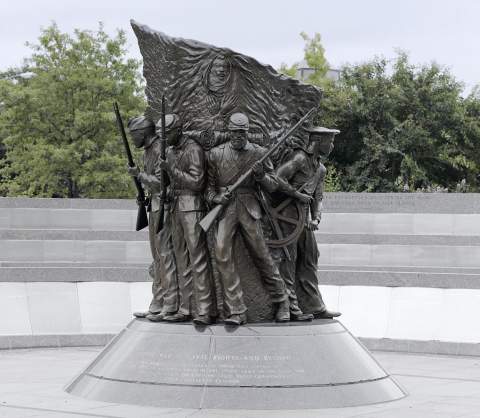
x=56, y=120
x=314, y=56
x=291, y=70
x=404, y=127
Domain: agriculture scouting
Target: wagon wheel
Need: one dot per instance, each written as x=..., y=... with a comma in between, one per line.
x=286, y=227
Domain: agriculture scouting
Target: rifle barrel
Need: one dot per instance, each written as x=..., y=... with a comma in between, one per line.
x=121, y=128
x=142, y=218
x=271, y=150
x=208, y=220
x=131, y=163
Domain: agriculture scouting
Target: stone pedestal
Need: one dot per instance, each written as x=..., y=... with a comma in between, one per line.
x=259, y=366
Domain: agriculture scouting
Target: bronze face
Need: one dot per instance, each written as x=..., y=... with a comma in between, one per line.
x=138, y=137
x=322, y=144
x=173, y=136
x=238, y=139
x=218, y=74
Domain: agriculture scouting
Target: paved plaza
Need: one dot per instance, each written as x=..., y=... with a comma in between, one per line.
x=32, y=381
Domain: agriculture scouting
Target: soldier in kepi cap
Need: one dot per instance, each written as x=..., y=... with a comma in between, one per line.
x=226, y=163
x=164, y=287
x=302, y=176
x=186, y=168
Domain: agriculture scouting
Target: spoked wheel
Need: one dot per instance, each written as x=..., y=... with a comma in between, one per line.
x=287, y=222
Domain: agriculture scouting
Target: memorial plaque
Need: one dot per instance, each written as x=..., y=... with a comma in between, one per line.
x=321, y=358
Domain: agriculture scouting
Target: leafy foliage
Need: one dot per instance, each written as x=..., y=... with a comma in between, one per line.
x=314, y=55
x=291, y=71
x=403, y=127
x=315, y=58
x=56, y=119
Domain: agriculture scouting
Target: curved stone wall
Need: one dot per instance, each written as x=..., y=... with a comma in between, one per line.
x=403, y=268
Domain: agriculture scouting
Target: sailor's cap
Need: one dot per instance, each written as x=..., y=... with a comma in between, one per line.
x=322, y=130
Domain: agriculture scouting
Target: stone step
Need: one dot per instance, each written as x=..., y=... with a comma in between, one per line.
x=48, y=218
x=395, y=277
x=455, y=278
x=75, y=251
x=400, y=255
x=397, y=239
x=70, y=264
x=405, y=269
x=72, y=235
x=322, y=237
x=333, y=202
x=401, y=223
x=332, y=254
x=348, y=202
x=61, y=203
x=332, y=223
x=77, y=273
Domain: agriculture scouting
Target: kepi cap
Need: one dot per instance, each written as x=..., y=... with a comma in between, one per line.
x=139, y=122
x=238, y=122
x=172, y=121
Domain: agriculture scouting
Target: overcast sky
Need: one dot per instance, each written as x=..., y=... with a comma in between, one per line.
x=445, y=31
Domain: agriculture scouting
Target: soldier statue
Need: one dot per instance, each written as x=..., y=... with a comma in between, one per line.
x=164, y=286
x=232, y=144
x=186, y=168
x=242, y=213
x=302, y=176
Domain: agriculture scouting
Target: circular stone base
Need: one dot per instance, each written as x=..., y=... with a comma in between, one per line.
x=260, y=366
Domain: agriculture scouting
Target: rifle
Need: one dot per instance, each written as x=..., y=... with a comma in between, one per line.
x=142, y=219
x=163, y=184
x=208, y=220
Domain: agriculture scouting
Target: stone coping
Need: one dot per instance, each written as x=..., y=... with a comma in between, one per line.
x=397, y=239
x=333, y=202
x=322, y=238
x=77, y=274
x=393, y=277
x=10, y=342
x=72, y=234
x=448, y=278
x=402, y=202
x=52, y=203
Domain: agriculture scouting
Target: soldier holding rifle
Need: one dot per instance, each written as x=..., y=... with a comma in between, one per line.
x=164, y=287
x=186, y=168
x=239, y=163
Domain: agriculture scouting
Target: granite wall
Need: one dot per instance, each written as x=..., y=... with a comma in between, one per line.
x=403, y=268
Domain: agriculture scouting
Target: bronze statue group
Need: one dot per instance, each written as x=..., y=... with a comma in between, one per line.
x=186, y=262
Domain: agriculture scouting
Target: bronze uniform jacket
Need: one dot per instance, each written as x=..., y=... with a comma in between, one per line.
x=226, y=165
x=302, y=170
x=149, y=178
x=187, y=173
